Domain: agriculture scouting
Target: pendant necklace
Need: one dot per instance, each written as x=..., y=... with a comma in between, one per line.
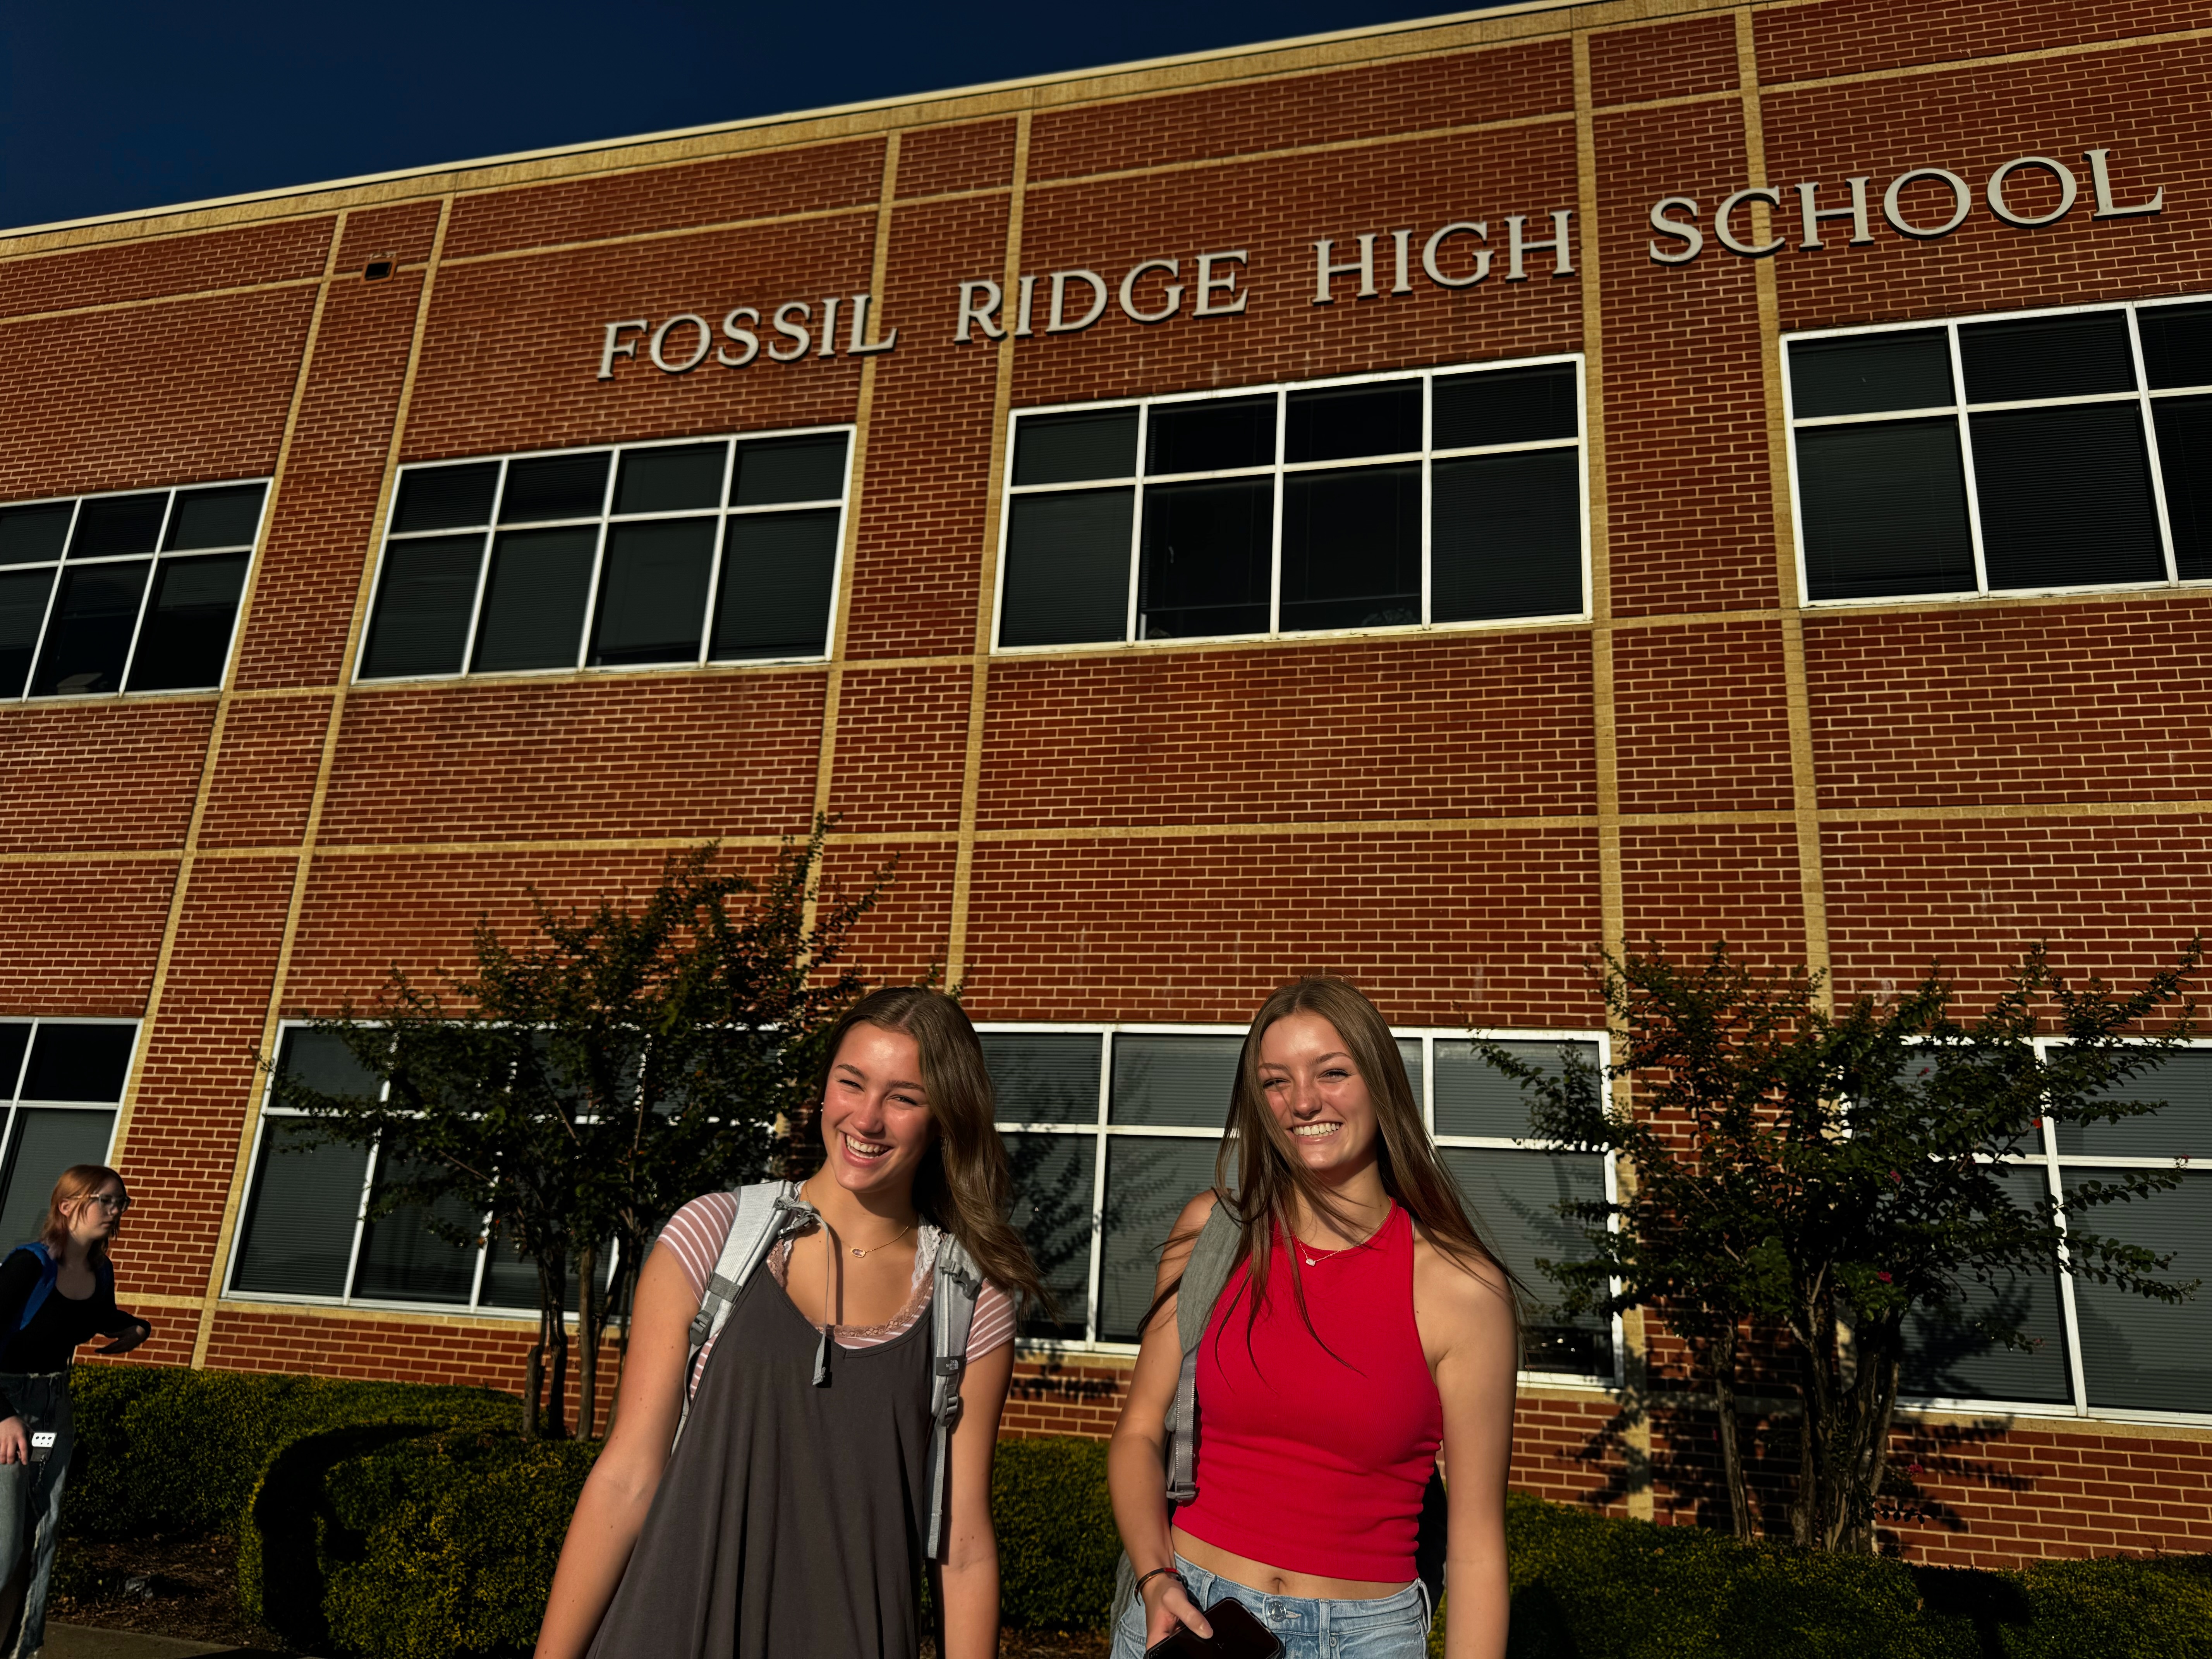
x=885, y=1245
x=830, y=1293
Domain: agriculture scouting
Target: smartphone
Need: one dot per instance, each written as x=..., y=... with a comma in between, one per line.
x=1236, y=1635
x=42, y=1445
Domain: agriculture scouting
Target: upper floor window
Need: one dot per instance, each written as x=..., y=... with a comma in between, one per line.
x=1111, y=1131
x=652, y=555
x=2060, y=449
x=131, y=592
x=60, y=1083
x=1400, y=501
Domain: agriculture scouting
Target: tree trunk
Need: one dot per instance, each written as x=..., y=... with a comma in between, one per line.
x=533, y=1383
x=1739, y=1493
x=553, y=1337
x=587, y=1328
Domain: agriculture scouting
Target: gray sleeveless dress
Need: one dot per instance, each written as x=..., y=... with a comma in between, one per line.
x=789, y=1521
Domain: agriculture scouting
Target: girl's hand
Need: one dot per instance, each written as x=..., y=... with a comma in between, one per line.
x=1167, y=1605
x=14, y=1441
x=139, y=1331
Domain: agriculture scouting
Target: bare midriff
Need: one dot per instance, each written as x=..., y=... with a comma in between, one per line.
x=1259, y=1575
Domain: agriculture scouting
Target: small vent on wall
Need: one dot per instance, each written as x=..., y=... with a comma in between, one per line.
x=378, y=267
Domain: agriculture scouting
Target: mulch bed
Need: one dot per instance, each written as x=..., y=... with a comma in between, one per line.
x=188, y=1587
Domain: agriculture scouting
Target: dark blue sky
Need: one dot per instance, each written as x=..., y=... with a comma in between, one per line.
x=112, y=107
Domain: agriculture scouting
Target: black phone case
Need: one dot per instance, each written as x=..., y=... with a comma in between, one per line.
x=1236, y=1635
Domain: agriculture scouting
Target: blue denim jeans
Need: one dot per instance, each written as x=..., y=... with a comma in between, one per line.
x=31, y=1510
x=1389, y=1627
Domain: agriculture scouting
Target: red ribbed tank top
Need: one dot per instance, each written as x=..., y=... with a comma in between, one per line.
x=1314, y=1459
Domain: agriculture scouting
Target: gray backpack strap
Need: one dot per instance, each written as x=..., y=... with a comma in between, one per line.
x=765, y=1209
x=1204, y=1277
x=952, y=1316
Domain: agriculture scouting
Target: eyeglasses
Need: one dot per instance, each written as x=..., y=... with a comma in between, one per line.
x=113, y=1203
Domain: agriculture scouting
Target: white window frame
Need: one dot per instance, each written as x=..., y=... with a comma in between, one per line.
x=1103, y=1131
x=473, y=1308
x=2054, y=1167
x=62, y=565
x=1278, y=469
x=15, y=1102
x=722, y=513
x=2142, y=396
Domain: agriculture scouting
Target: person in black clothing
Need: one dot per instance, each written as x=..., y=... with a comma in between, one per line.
x=55, y=1294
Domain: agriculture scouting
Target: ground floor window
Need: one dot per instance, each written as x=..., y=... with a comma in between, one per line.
x=305, y=1235
x=64, y=1078
x=2096, y=1349
x=1111, y=1130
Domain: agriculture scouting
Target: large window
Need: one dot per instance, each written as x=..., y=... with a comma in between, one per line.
x=62, y=1078
x=1390, y=501
x=2097, y=1350
x=652, y=555
x=305, y=1235
x=135, y=593
x=1112, y=1131
x=2021, y=453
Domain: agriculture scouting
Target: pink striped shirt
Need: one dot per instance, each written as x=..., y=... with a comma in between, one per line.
x=694, y=1236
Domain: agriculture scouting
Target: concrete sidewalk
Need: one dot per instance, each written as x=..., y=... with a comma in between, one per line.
x=84, y=1642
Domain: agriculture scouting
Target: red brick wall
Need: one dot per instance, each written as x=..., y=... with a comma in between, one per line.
x=1158, y=835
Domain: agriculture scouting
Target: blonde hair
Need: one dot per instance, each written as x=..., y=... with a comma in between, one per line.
x=78, y=1183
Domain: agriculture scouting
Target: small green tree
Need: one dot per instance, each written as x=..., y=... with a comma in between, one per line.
x=576, y=1089
x=1808, y=1178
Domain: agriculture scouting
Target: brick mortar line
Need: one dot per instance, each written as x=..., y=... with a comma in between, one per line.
x=333, y=727
x=182, y=296
x=987, y=582
x=172, y=924
x=1796, y=689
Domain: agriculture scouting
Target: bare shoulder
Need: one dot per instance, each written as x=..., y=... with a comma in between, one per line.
x=1462, y=1296
x=1195, y=1213
x=1183, y=1235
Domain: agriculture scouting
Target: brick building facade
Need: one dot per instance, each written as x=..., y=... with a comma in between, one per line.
x=1413, y=504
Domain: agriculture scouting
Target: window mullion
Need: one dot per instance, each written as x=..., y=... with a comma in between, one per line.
x=1275, y=540
x=2150, y=447
x=146, y=593
x=1966, y=458
x=1098, y=1185
x=722, y=549
x=1428, y=583
x=2053, y=1173
x=483, y=573
x=1136, y=517
x=361, y=1216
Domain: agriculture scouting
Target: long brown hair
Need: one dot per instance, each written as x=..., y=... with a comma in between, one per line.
x=1259, y=1176
x=78, y=1183
x=964, y=1186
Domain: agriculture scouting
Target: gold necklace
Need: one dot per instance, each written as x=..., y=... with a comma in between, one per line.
x=885, y=1245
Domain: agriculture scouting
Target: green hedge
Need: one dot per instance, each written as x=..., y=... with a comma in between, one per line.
x=165, y=1448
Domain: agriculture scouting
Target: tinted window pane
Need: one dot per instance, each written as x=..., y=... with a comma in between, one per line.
x=1513, y=1199
x=1353, y=420
x=186, y=637
x=669, y=480
x=1506, y=406
x=1063, y=448
x=2185, y=460
x=33, y=533
x=1507, y=537
x=23, y=613
x=1052, y=1177
x=1206, y=559
x=118, y=524
x=1947, y=1359
x=2046, y=357
x=1207, y=437
x=1409, y=1055
x=79, y=1062
x=652, y=597
x=1067, y=567
x=559, y=487
x=1147, y=1184
x=1885, y=510
x=90, y=636
x=1473, y=1097
x=402, y=1260
x=2139, y=1354
x=778, y=577
x=789, y=470
x=2183, y=1128
x=2177, y=342
x=2065, y=497
x=45, y=1144
x=1044, y=1077
x=321, y=1061
x=510, y=1278
x=1172, y=1080
x=215, y=518
x=445, y=497
x=300, y=1216
x=1352, y=548
x=1865, y=374
x=422, y=605
x=533, y=606
x=15, y=1042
